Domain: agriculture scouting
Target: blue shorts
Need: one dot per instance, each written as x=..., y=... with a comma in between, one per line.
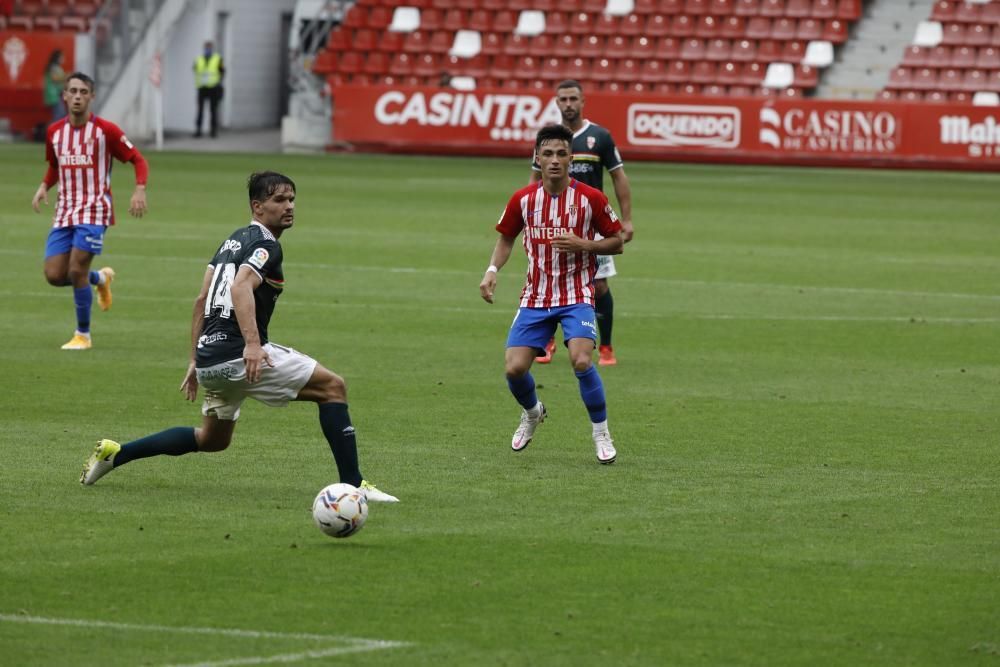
x=533, y=327
x=89, y=238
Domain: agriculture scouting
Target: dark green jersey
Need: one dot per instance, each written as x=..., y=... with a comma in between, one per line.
x=253, y=246
x=593, y=151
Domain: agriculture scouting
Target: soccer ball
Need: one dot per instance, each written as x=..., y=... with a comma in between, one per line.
x=340, y=510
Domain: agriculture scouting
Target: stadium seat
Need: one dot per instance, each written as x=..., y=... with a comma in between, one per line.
x=744, y=51
x=706, y=27
x=988, y=57
x=968, y=12
x=530, y=23
x=985, y=98
x=504, y=21
x=652, y=71
x=678, y=71
x=900, y=78
x=758, y=27
x=819, y=53
x=467, y=43
x=718, y=49
x=481, y=20
x=667, y=48
x=379, y=17
x=849, y=10
x=693, y=49
x=492, y=43
x=772, y=8
x=912, y=96
x=928, y=33
x=581, y=24
x=793, y=51
x=696, y=7
x=703, y=71
x=606, y=25
x=453, y=20
x=953, y=34
x=746, y=7
x=728, y=73
x=657, y=25
x=973, y=80
x=565, y=45
x=936, y=97
x=783, y=28
x=720, y=8
x=427, y=65
x=733, y=27
x=938, y=56
x=477, y=66
x=516, y=45
x=823, y=9
x=924, y=79
x=627, y=70
x=978, y=34
x=886, y=95
x=943, y=11
x=416, y=42
x=349, y=62
x=644, y=7
x=779, y=75
x=682, y=25
x=806, y=76
x=962, y=57
x=740, y=91
x=753, y=74
x=541, y=46
x=527, y=67
x=552, y=69
x=405, y=19
x=809, y=29
x=670, y=7
x=798, y=9
x=641, y=48
x=376, y=63
x=390, y=42
x=835, y=31
x=619, y=7
x=591, y=46
x=617, y=47
x=915, y=56
x=632, y=25
x=768, y=50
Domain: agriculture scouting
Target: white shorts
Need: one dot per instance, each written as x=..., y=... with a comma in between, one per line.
x=226, y=386
x=605, y=267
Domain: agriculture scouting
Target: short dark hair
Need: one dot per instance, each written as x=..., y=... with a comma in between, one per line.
x=82, y=77
x=553, y=132
x=262, y=184
x=569, y=83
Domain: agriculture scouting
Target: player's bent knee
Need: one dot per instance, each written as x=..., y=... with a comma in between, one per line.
x=582, y=363
x=211, y=442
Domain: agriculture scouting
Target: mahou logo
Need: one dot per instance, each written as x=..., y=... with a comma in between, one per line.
x=982, y=138
x=509, y=117
x=683, y=125
x=829, y=131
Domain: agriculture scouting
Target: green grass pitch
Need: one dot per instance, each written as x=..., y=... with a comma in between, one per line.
x=805, y=409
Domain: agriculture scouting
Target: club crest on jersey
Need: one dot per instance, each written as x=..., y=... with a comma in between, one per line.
x=591, y=142
x=258, y=258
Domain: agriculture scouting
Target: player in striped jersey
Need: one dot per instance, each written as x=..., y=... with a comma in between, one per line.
x=233, y=359
x=566, y=225
x=79, y=149
x=594, y=151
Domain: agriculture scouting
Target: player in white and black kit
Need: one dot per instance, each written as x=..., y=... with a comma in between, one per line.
x=232, y=357
x=594, y=151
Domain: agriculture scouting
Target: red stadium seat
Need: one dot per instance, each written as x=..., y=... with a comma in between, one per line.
x=657, y=25
x=925, y=79
x=428, y=65
x=886, y=95
x=390, y=42
x=733, y=27
x=627, y=70
x=954, y=34
x=991, y=13
x=835, y=31
x=678, y=71
x=502, y=66
x=617, y=47
x=696, y=7
x=325, y=62
x=652, y=71
x=454, y=19
x=744, y=51
x=798, y=9
x=363, y=40
x=936, y=97
x=806, y=76
x=603, y=70
x=592, y=46
x=714, y=90
x=772, y=8
x=973, y=81
x=581, y=24
x=527, y=67
x=912, y=96
x=492, y=43
x=849, y=10
x=605, y=25
x=823, y=9
x=746, y=8
x=642, y=48
x=938, y=56
x=565, y=46
x=481, y=20
x=900, y=77
x=740, y=91
x=963, y=56
x=729, y=73
x=809, y=29
x=376, y=63
x=758, y=27
x=793, y=51
x=706, y=27
x=541, y=46
x=978, y=34
x=693, y=49
x=753, y=74
x=379, y=17
x=682, y=25
x=632, y=25
x=718, y=49
x=960, y=97
x=968, y=12
x=516, y=45
x=915, y=56
x=50, y=23
x=703, y=71
x=670, y=7
x=477, y=66
x=721, y=7
x=504, y=21
x=644, y=7
x=768, y=51
x=349, y=62
x=949, y=79
x=667, y=48
x=783, y=28
x=556, y=23
x=416, y=42
x=994, y=81
x=356, y=17
x=552, y=69
x=943, y=11
x=988, y=58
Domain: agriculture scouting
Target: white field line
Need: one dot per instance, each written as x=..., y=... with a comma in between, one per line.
x=626, y=279
x=506, y=313
x=357, y=644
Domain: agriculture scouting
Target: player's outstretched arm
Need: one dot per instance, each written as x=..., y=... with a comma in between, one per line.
x=137, y=206
x=501, y=253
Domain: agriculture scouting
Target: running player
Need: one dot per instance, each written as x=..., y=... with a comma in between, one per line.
x=566, y=225
x=79, y=149
x=232, y=358
x=594, y=151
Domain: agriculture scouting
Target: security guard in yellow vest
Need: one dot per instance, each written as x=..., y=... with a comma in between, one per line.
x=208, y=73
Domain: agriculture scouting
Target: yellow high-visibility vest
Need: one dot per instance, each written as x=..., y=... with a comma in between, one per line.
x=207, y=71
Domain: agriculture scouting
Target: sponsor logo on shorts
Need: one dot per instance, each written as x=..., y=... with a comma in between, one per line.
x=258, y=258
x=217, y=373
x=590, y=325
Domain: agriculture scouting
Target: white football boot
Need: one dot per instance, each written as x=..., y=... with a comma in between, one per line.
x=605, y=447
x=526, y=429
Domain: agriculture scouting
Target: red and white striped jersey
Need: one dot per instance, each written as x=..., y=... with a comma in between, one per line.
x=558, y=278
x=81, y=157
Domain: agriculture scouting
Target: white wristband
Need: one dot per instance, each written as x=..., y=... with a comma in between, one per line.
x=491, y=268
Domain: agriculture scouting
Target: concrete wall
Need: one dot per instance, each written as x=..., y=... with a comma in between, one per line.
x=251, y=43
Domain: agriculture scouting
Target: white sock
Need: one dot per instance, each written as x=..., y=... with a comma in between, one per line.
x=80, y=333
x=600, y=427
x=536, y=411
